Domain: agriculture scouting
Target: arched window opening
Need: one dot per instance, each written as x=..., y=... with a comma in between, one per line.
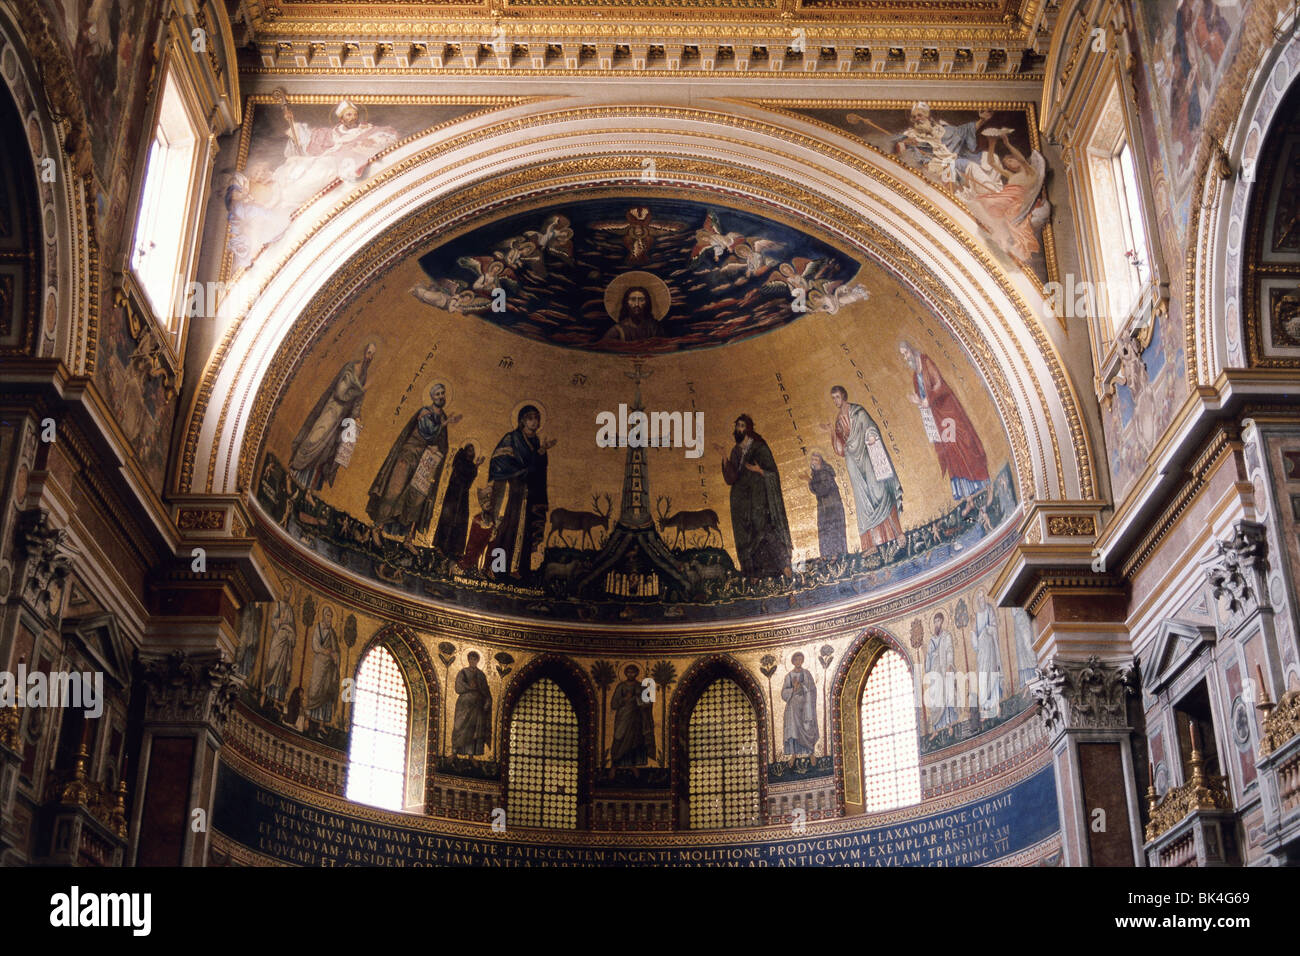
x=891, y=757
x=377, y=757
x=542, y=781
x=722, y=758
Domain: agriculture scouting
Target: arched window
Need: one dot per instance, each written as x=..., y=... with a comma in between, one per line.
x=542, y=781
x=377, y=757
x=722, y=759
x=891, y=760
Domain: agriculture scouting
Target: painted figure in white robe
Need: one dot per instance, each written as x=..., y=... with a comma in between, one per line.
x=315, y=451
x=279, y=656
x=940, y=676
x=877, y=493
x=1026, y=661
x=988, y=661
x=323, y=691
x=800, y=696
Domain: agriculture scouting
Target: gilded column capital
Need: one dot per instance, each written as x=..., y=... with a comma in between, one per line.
x=187, y=688
x=1084, y=695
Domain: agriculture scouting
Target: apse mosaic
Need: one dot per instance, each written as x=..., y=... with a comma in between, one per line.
x=986, y=158
x=569, y=470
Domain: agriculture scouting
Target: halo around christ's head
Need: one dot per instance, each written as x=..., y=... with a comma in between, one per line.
x=660, y=297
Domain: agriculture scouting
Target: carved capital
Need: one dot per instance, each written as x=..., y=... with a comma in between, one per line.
x=1084, y=695
x=1236, y=569
x=46, y=560
x=186, y=689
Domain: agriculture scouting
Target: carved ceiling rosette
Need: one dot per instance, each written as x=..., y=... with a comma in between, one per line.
x=1084, y=695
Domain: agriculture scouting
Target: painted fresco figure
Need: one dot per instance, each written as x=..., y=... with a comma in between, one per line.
x=518, y=475
x=279, y=656
x=403, y=492
x=941, y=675
x=634, y=722
x=758, y=521
x=950, y=153
x=831, y=540
x=877, y=491
x=948, y=427
x=799, y=727
x=313, y=461
x=1007, y=207
x=250, y=639
x=472, y=723
x=988, y=660
x=453, y=522
x=1026, y=661
x=323, y=691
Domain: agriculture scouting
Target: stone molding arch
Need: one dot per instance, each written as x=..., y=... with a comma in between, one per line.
x=50, y=106
x=424, y=696
x=846, y=695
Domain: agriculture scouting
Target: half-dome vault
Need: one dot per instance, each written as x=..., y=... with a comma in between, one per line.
x=631, y=408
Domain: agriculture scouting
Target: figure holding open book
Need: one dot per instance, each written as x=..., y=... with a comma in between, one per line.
x=403, y=493
x=877, y=492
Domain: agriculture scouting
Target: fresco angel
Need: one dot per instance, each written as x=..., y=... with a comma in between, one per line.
x=450, y=295
x=830, y=297
x=555, y=238
x=710, y=238
x=490, y=273
x=1013, y=211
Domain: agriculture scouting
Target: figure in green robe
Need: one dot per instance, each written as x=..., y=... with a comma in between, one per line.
x=634, y=722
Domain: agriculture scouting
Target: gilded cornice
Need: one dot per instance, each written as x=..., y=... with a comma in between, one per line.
x=835, y=218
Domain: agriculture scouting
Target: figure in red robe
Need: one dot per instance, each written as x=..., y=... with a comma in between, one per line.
x=947, y=426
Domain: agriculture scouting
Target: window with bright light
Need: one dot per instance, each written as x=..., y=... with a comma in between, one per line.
x=722, y=754
x=1121, y=234
x=377, y=756
x=891, y=759
x=543, y=774
x=158, y=254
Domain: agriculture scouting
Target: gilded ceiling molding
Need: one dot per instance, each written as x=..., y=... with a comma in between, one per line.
x=218, y=365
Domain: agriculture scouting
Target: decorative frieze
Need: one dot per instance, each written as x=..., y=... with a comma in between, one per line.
x=1084, y=695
